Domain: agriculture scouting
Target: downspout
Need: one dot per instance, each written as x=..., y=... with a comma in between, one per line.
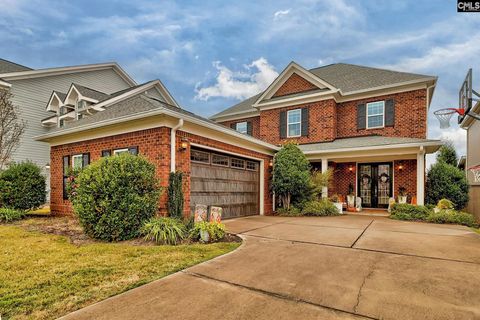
x=173, y=144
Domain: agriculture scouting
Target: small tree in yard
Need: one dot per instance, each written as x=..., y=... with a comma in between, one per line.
x=175, y=195
x=445, y=181
x=448, y=154
x=115, y=196
x=291, y=174
x=11, y=127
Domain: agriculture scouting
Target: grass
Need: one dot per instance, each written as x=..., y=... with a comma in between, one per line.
x=477, y=230
x=45, y=276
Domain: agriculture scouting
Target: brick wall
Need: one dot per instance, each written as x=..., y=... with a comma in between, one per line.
x=407, y=177
x=342, y=177
x=255, y=125
x=410, y=116
x=154, y=144
x=322, y=123
x=294, y=84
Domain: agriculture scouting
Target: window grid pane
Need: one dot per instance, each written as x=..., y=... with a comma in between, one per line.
x=199, y=156
x=219, y=160
x=237, y=163
x=242, y=127
x=375, y=114
x=294, y=118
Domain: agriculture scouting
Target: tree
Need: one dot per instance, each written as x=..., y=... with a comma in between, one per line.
x=291, y=174
x=11, y=127
x=175, y=195
x=448, y=154
x=320, y=180
x=445, y=181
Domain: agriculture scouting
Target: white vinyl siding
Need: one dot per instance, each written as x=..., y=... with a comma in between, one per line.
x=294, y=123
x=375, y=114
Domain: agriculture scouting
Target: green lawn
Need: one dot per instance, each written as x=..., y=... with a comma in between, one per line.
x=44, y=276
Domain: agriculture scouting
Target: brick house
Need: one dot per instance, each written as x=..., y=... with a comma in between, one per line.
x=369, y=125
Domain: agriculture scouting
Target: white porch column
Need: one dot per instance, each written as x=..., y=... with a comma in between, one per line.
x=324, y=169
x=421, y=177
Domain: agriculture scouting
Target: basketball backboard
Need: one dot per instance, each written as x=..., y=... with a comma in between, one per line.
x=465, y=95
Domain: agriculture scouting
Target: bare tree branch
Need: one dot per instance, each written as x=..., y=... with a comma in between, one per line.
x=11, y=127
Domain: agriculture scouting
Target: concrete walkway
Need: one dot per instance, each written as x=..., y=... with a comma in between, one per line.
x=347, y=267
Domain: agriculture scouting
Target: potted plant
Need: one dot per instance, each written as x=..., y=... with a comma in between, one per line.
x=336, y=201
x=350, y=197
x=402, y=195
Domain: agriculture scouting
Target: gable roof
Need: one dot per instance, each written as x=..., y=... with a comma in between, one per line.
x=347, y=78
x=8, y=66
x=90, y=93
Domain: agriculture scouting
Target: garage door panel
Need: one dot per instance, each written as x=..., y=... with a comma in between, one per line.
x=236, y=190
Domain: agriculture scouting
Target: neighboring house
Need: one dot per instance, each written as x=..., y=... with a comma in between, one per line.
x=32, y=90
x=472, y=159
x=368, y=124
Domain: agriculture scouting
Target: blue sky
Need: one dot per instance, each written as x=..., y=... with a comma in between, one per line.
x=211, y=54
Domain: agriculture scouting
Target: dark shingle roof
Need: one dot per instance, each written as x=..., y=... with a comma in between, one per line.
x=8, y=66
x=350, y=77
x=343, y=76
x=61, y=95
x=91, y=93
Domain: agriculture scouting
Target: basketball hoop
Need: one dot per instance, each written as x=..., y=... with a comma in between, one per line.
x=444, y=116
x=475, y=170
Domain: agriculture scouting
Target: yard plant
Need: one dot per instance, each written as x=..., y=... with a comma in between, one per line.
x=22, y=186
x=115, y=195
x=175, y=195
x=215, y=230
x=405, y=211
x=9, y=215
x=164, y=230
x=323, y=207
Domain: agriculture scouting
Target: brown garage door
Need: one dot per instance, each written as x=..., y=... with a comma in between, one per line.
x=225, y=181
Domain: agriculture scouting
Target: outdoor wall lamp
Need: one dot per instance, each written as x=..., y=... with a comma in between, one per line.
x=183, y=144
x=400, y=166
x=350, y=168
x=270, y=163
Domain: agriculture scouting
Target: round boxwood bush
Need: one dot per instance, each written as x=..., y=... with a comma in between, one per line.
x=115, y=196
x=445, y=181
x=22, y=186
x=323, y=207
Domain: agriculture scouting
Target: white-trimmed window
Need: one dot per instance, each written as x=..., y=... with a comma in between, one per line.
x=294, y=123
x=242, y=127
x=120, y=151
x=78, y=161
x=375, y=114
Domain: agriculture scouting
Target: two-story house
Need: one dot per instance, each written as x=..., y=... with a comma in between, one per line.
x=368, y=124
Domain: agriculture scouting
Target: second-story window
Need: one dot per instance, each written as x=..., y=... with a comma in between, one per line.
x=294, y=123
x=242, y=127
x=375, y=114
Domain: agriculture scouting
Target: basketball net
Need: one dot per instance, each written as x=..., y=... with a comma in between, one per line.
x=444, y=116
x=476, y=173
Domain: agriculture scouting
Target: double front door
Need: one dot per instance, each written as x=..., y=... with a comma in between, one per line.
x=375, y=184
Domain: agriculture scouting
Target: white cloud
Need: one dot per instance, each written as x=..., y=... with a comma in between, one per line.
x=279, y=14
x=239, y=84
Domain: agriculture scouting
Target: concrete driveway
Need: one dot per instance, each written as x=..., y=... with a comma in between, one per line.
x=347, y=267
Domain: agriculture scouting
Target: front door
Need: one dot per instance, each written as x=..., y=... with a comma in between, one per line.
x=375, y=184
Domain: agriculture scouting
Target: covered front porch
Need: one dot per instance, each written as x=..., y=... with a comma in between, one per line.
x=374, y=168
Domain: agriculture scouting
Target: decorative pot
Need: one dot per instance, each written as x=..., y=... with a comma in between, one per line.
x=204, y=236
x=402, y=199
x=351, y=201
x=339, y=206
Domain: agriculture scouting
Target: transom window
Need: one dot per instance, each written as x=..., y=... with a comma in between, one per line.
x=251, y=165
x=120, y=151
x=199, y=156
x=237, y=163
x=219, y=160
x=375, y=114
x=294, y=123
x=242, y=127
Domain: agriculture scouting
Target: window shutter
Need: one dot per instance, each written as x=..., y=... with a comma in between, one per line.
x=66, y=166
x=304, y=122
x=249, y=128
x=361, y=116
x=233, y=126
x=86, y=159
x=389, y=113
x=106, y=153
x=133, y=150
x=283, y=124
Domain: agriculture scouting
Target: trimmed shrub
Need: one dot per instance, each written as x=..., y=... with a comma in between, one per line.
x=320, y=208
x=445, y=204
x=115, y=196
x=175, y=195
x=445, y=181
x=409, y=212
x=164, y=230
x=9, y=215
x=22, y=186
x=293, y=211
x=216, y=230
x=453, y=216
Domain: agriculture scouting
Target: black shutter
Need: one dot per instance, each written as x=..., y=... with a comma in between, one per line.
x=106, y=153
x=86, y=159
x=361, y=116
x=389, y=113
x=133, y=150
x=283, y=124
x=233, y=126
x=66, y=167
x=249, y=128
x=304, y=122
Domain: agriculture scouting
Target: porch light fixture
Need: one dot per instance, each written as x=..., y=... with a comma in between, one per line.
x=47, y=166
x=270, y=163
x=350, y=168
x=400, y=166
x=183, y=144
